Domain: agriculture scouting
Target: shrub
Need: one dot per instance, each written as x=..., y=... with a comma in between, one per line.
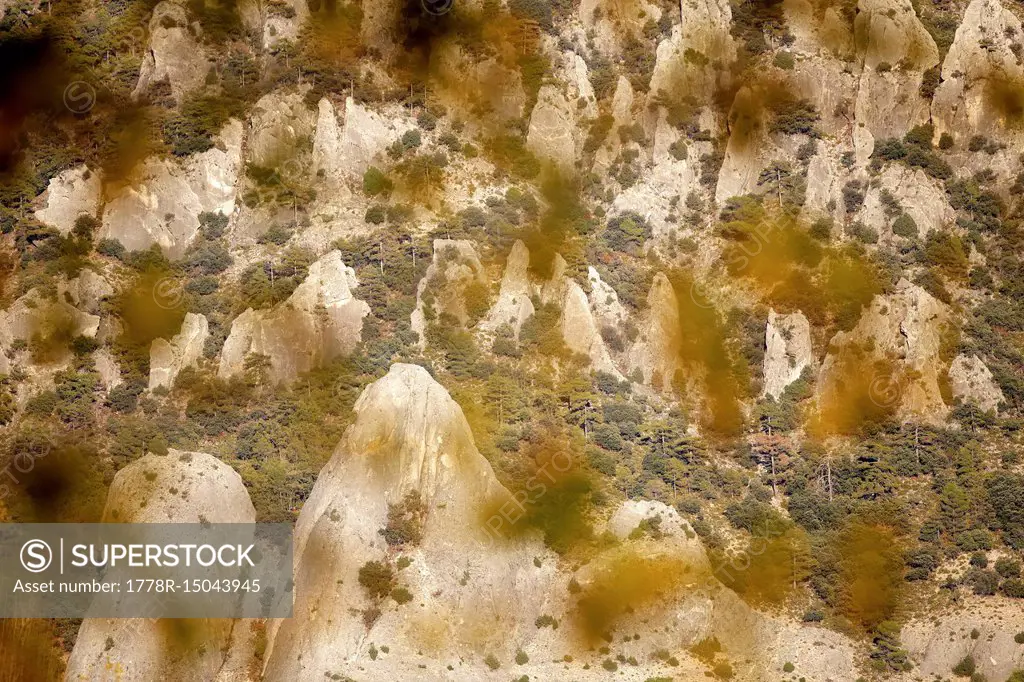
x=376, y=182
x=966, y=667
x=401, y=595
x=627, y=232
x=945, y=141
x=1008, y=568
x=492, y=662
x=905, y=226
x=377, y=578
x=784, y=60
x=405, y=521
x=862, y=233
x=853, y=195
x=375, y=215
x=1014, y=587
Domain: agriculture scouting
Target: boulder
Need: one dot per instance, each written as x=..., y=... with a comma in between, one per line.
x=580, y=331
x=70, y=194
x=320, y=321
x=107, y=368
x=179, y=487
x=971, y=381
x=162, y=204
x=168, y=358
x=86, y=291
x=787, y=351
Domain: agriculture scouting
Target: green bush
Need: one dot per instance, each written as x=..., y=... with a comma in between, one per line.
x=784, y=60
x=377, y=578
x=905, y=226
x=375, y=182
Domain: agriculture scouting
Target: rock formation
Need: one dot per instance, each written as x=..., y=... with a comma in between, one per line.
x=174, y=54
x=514, y=305
x=168, y=358
x=179, y=487
x=553, y=131
x=280, y=125
x=70, y=194
x=787, y=352
x=320, y=321
x=455, y=274
x=163, y=203
x=655, y=353
x=971, y=381
x=905, y=330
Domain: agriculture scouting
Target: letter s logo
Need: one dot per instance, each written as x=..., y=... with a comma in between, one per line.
x=36, y=556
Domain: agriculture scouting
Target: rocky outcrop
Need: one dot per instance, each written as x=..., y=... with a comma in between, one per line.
x=553, y=133
x=320, y=321
x=971, y=381
x=365, y=136
x=604, y=301
x=179, y=487
x=904, y=331
x=107, y=368
x=655, y=353
x=919, y=196
x=207, y=491
x=787, y=352
x=409, y=436
x=174, y=54
x=70, y=194
x=85, y=291
x=281, y=125
x=168, y=358
x=162, y=204
x=580, y=331
x=453, y=285
x=982, y=76
x=939, y=642
x=514, y=305
x=895, y=50
x=476, y=594
x=34, y=317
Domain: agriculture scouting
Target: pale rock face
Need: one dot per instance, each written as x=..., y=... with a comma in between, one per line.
x=971, y=381
x=655, y=353
x=31, y=314
x=888, y=103
x=278, y=26
x=204, y=490
x=327, y=141
x=611, y=21
x=320, y=321
x=705, y=28
x=580, y=331
x=465, y=80
x=622, y=103
x=824, y=184
x=365, y=136
x=86, y=291
x=72, y=193
x=514, y=305
x=408, y=436
x=454, y=267
x=577, y=75
x=553, y=131
x=787, y=351
x=923, y=198
x=174, y=53
x=979, y=59
x=107, y=368
x=168, y=358
x=279, y=125
x=906, y=327
x=604, y=301
x=937, y=643
x=668, y=177
x=629, y=515
x=163, y=204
